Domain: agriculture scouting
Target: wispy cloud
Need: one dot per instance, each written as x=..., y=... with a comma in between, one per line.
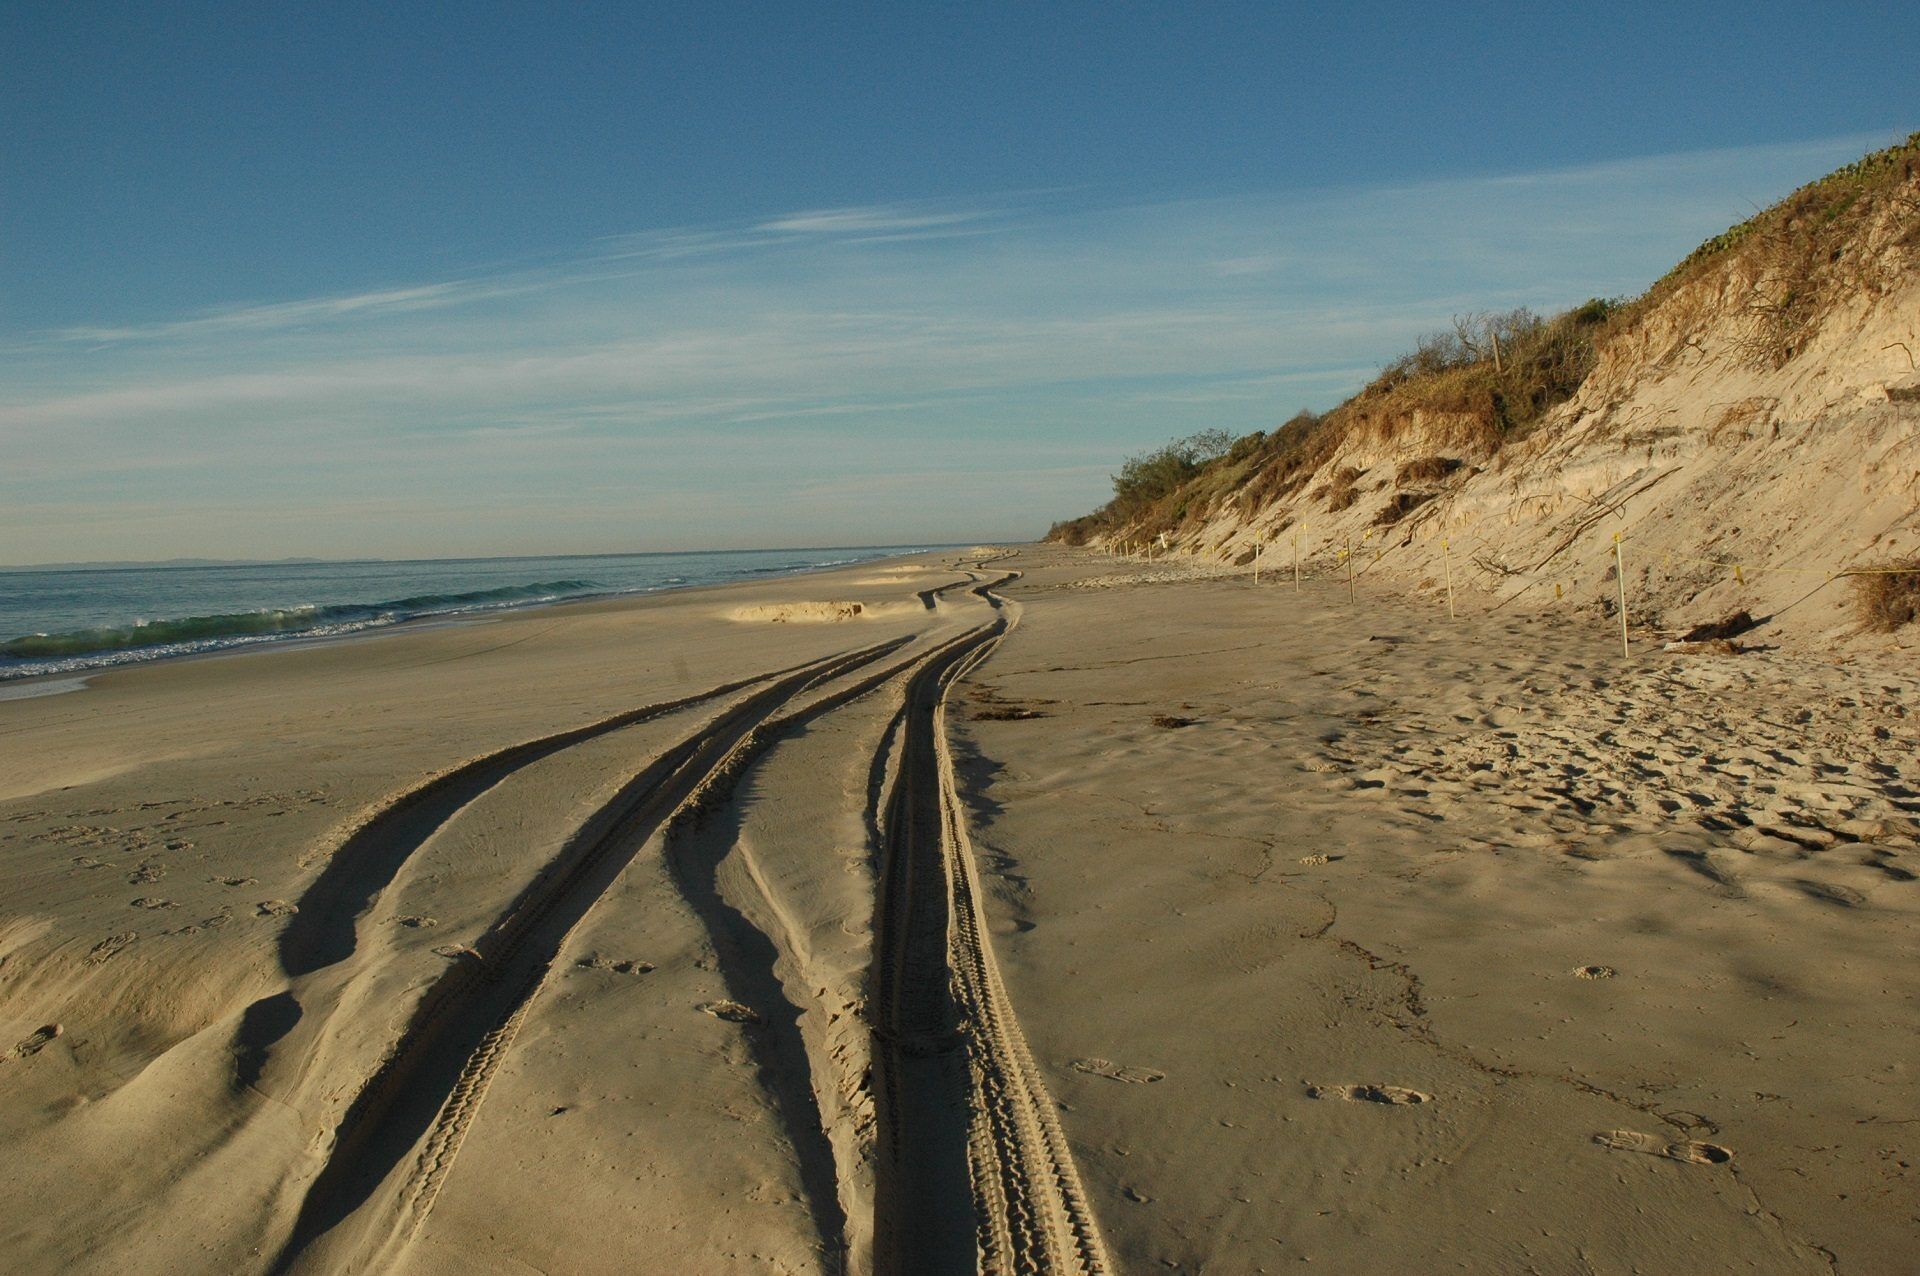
x=862, y=224
x=772, y=367
x=866, y=219
x=283, y=314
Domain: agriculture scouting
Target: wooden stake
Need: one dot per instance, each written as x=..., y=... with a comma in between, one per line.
x=1447, y=546
x=1259, y=548
x=1620, y=579
x=1349, y=569
x=1296, y=559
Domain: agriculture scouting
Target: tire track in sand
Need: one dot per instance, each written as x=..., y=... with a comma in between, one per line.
x=973, y=1170
x=325, y=929
x=429, y=1087
x=812, y=1107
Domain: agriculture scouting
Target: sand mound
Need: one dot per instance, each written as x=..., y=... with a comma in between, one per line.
x=816, y=613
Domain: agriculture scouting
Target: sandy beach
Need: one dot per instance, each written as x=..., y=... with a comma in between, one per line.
x=1026, y=909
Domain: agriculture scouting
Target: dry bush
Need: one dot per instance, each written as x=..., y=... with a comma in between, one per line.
x=1428, y=469
x=1887, y=595
x=1732, y=625
x=1399, y=506
x=1074, y=531
x=1342, y=488
x=1812, y=250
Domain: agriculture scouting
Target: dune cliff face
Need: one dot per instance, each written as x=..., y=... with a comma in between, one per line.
x=1750, y=429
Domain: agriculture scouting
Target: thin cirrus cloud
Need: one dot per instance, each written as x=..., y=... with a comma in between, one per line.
x=275, y=315
x=873, y=218
x=867, y=223
x=780, y=365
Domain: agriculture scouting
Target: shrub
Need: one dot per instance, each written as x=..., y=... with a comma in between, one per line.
x=1428, y=469
x=1887, y=595
x=1073, y=531
x=1149, y=477
x=1342, y=490
x=1399, y=506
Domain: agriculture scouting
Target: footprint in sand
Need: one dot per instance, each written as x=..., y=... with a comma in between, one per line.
x=1117, y=1071
x=1314, y=859
x=417, y=922
x=148, y=901
x=1398, y=1096
x=731, y=1011
x=1687, y=1151
x=617, y=967
x=109, y=946
x=275, y=908
x=35, y=1043
x=1594, y=972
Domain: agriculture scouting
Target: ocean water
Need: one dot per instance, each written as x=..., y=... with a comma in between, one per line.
x=66, y=621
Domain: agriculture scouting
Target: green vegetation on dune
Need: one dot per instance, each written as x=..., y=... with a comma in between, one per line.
x=1493, y=378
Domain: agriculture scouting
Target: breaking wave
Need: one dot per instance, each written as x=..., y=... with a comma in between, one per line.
x=189, y=633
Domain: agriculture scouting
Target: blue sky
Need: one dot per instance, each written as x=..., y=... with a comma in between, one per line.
x=403, y=280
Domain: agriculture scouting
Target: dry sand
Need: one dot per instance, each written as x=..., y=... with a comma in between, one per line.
x=1105, y=916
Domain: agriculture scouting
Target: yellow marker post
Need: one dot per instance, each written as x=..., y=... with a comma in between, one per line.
x=1296, y=558
x=1620, y=579
x=1446, y=547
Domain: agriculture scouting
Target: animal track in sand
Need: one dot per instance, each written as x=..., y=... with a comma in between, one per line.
x=731, y=1011
x=275, y=908
x=1395, y=1095
x=418, y=922
x=1687, y=1151
x=109, y=946
x=37, y=1041
x=1594, y=972
x=148, y=901
x=1118, y=1071
x=233, y=881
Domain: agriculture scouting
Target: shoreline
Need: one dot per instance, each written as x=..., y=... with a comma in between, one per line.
x=81, y=674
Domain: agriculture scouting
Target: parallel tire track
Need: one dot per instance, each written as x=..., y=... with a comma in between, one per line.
x=957, y=1079
x=433, y=1080
x=1034, y=1214
x=323, y=931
